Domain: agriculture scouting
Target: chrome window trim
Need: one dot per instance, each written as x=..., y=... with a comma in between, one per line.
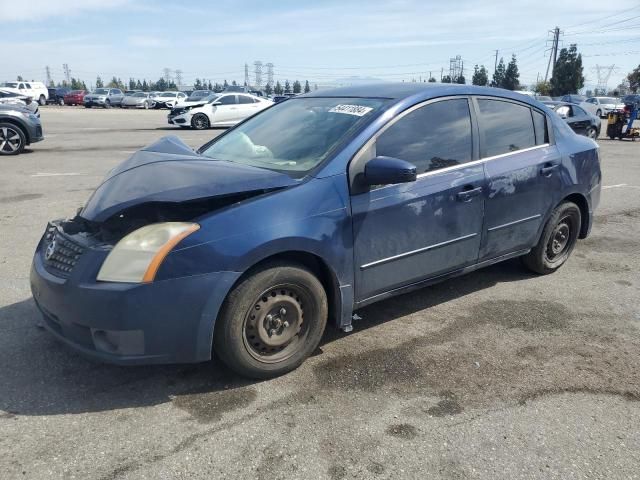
x=515, y=222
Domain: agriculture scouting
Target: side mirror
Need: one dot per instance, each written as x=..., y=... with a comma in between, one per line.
x=216, y=103
x=388, y=171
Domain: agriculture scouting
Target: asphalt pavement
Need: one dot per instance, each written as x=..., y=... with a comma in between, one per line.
x=499, y=374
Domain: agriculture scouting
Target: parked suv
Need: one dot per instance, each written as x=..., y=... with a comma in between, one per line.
x=104, y=97
x=56, y=95
x=35, y=90
x=18, y=128
x=310, y=209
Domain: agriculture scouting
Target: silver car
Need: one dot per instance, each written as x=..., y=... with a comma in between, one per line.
x=104, y=97
x=139, y=100
x=24, y=101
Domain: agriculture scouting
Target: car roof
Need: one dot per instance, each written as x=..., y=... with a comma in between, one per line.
x=417, y=91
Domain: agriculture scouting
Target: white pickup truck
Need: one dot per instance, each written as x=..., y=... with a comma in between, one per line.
x=36, y=90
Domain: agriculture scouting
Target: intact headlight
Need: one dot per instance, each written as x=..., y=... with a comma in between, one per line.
x=138, y=256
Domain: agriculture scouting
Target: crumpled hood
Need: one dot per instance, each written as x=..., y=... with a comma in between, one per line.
x=170, y=171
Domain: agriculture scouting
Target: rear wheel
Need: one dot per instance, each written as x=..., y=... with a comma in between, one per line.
x=61, y=101
x=272, y=321
x=12, y=139
x=599, y=113
x=200, y=121
x=42, y=100
x=557, y=241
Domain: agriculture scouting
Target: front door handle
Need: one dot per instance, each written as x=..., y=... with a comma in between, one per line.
x=468, y=192
x=548, y=168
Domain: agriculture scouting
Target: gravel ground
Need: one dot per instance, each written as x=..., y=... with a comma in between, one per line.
x=495, y=375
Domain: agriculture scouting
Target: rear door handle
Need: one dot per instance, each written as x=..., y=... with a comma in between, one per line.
x=468, y=192
x=548, y=168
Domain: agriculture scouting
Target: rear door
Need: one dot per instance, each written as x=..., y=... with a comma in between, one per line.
x=523, y=174
x=247, y=106
x=413, y=231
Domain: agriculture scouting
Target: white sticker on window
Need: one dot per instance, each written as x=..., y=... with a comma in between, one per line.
x=357, y=110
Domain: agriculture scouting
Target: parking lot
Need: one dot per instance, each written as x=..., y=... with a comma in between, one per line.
x=497, y=374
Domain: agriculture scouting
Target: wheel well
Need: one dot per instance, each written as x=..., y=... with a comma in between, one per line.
x=24, y=130
x=582, y=203
x=317, y=266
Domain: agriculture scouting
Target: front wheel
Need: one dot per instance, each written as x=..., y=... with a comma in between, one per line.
x=200, y=121
x=42, y=100
x=61, y=101
x=557, y=241
x=592, y=133
x=12, y=139
x=107, y=104
x=272, y=321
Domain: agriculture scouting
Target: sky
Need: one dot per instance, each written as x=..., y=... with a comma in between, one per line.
x=325, y=42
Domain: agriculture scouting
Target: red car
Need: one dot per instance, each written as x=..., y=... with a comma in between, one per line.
x=74, y=97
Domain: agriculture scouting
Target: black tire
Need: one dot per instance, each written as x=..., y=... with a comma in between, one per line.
x=599, y=113
x=61, y=101
x=200, y=121
x=87, y=106
x=592, y=132
x=145, y=105
x=271, y=321
x=612, y=137
x=12, y=139
x=557, y=241
x=107, y=104
x=42, y=100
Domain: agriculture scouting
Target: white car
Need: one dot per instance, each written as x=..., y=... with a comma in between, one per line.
x=169, y=99
x=36, y=90
x=601, y=106
x=217, y=110
x=13, y=98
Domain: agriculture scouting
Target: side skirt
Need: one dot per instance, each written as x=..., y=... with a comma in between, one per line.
x=437, y=279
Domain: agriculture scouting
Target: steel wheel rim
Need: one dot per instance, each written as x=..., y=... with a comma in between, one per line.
x=275, y=327
x=592, y=133
x=560, y=239
x=10, y=140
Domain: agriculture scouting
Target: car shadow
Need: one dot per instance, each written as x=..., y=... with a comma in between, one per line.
x=40, y=376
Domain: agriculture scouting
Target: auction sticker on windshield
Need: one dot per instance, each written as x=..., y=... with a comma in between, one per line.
x=357, y=110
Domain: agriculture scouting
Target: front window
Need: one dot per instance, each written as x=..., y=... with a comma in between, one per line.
x=608, y=100
x=168, y=95
x=295, y=136
x=139, y=95
x=101, y=91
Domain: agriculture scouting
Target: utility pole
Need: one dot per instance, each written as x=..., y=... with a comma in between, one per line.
x=49, y=79
x=179, y=78
x=554, y=52
x=495, y=64
x=166, y=73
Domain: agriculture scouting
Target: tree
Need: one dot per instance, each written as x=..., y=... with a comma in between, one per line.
x=567, y=72
x=99, y=83
x=209, y=86
x=480, y=76
x=197, y=85
x=511, y=79
x=145, y=85
x=138, y=85
x=132, y=84
x=225, y=85
x=278, y=88
x=19, y=78
x=217, y=87
x=297, y=88
x=461, y=80
x=634, y=79
x=268, y=89
x=432, y=80
x=234, y=83
x=498, y=75
x=542, y=88
x=287, y=87
x=307, y=88
x=446, y=79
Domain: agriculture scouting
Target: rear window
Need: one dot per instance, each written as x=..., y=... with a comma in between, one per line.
x=506, y=126
x=540, y=124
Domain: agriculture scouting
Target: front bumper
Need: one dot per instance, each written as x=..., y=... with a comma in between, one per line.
x=169, y=321
x=184, y=119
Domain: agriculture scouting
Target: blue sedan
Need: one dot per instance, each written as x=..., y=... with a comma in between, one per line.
x=303, y=213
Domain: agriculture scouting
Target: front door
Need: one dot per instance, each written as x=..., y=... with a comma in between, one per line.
x=410, y=232
x=523, y=175
x=227, y=111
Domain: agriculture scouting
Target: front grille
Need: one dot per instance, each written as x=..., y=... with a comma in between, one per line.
x=59, y=252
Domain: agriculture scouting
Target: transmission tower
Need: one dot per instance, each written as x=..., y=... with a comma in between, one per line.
x=270, y=74
x=49, y=79
x=178, y=78
x=246, y=74
x=67, y=72
x=603, y=72
x=166, y=73
x=258, y=72
x=455, y=68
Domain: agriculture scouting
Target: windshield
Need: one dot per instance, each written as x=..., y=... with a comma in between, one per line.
x=168, y=94
x=76, y=92
x=11, y=84
x=198, y=94
x=608, y=100
x=140, y=94
x=293, y=137
x=102, y=91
